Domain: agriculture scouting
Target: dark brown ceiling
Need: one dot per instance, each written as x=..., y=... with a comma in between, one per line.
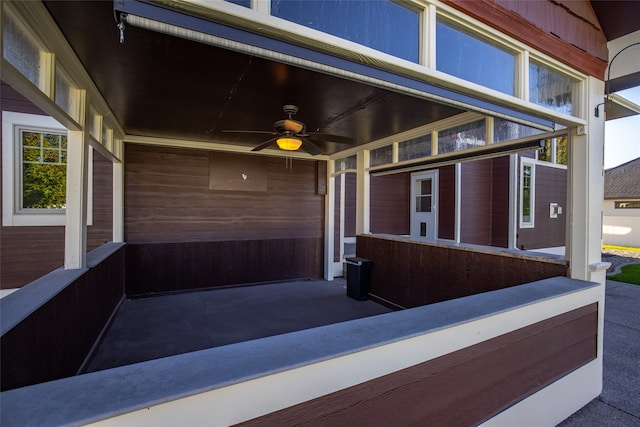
x=617, y=17
x=164, y=86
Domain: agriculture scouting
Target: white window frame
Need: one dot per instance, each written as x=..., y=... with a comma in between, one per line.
x=526, y=162
x=12, y=215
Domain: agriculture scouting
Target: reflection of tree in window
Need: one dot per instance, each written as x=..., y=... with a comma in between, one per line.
x=44, y=177
x=545, y=152
x=526, y=194
x=561, y=150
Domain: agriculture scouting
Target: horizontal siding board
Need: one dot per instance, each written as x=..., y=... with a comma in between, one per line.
x=170, y=267
x=465, y=387
x=389, y=203
x=411, y=274
x=53, y=341
x=167, y=199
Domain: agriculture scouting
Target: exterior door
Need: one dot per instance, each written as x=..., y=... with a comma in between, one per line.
x=424, y=219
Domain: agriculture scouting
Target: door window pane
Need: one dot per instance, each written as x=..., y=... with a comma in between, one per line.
x=424, y=195
x=386, y=26
x=468, y=57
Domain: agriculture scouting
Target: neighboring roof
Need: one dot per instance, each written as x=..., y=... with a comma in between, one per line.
x=623, y=182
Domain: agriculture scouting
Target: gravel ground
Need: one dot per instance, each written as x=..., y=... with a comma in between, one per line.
x=618, y=258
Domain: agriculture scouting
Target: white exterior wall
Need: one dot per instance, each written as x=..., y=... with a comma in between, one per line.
x=620, y=227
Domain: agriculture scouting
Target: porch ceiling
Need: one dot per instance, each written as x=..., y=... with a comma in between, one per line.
x=163, y=86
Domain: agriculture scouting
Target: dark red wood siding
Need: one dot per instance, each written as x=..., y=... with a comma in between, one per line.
x=447, y=202
x=101, y=229
x=500, y=202
x=182, y=235
x=55, y=340
x=411, y=274
x=550, y=187
x=476, y=194
x=27, y=253
x=389, y=202
x=484, y=379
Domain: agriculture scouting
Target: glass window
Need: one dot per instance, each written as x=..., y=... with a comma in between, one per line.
x=63, y=93
x=554, y=151
x=469, y=135
x=44, y=169
x=423, y=195
x=527, y=180
x=245, y=3
x=386, y=26
x=415, y=148
x=629, y=204
x=504, y=130
x=468, y=57
x=381, y=156
x=20, y=50
x=346, y=163
x=550, y=88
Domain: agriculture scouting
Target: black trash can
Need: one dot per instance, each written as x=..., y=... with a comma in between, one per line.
x=358, y=276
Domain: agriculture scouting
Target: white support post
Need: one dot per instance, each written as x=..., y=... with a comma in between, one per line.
x=118, y=195
x=586, y=184
x=514, y=206
x=362, y=193
x=75, y=250
x=329, y=221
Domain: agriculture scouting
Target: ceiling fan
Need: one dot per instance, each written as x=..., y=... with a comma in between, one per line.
x=291, y=135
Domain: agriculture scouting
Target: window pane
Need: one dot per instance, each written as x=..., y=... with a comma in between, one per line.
x=550, y=88
x=462, y=137
x=631, y=204
x=545, y=153
x=63, y=91
x=526, y=205
x=423, y=204
x=466, y=56
x=245, y=3
x=504, y=130
x=414, y=148
x=346, y=163
x=561, y=150
x=382, y=25
x=20, y=50
x=44, y=171
x=381, y=156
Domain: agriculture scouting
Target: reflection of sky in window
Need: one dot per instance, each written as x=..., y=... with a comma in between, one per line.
x=550, y=88
x=245, y=3
x=382, y=25
x=472, y=59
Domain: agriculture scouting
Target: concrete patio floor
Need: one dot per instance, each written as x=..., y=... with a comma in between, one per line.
x=160, y=326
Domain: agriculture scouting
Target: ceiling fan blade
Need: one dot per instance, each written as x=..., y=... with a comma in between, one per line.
x=264, y=144
x=265, y=132
x=310, y=147
x=317, y=136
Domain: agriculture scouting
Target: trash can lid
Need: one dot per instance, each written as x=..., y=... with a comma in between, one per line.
x=356, y=260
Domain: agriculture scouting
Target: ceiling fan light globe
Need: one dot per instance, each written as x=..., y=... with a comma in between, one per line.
x=289, y=143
